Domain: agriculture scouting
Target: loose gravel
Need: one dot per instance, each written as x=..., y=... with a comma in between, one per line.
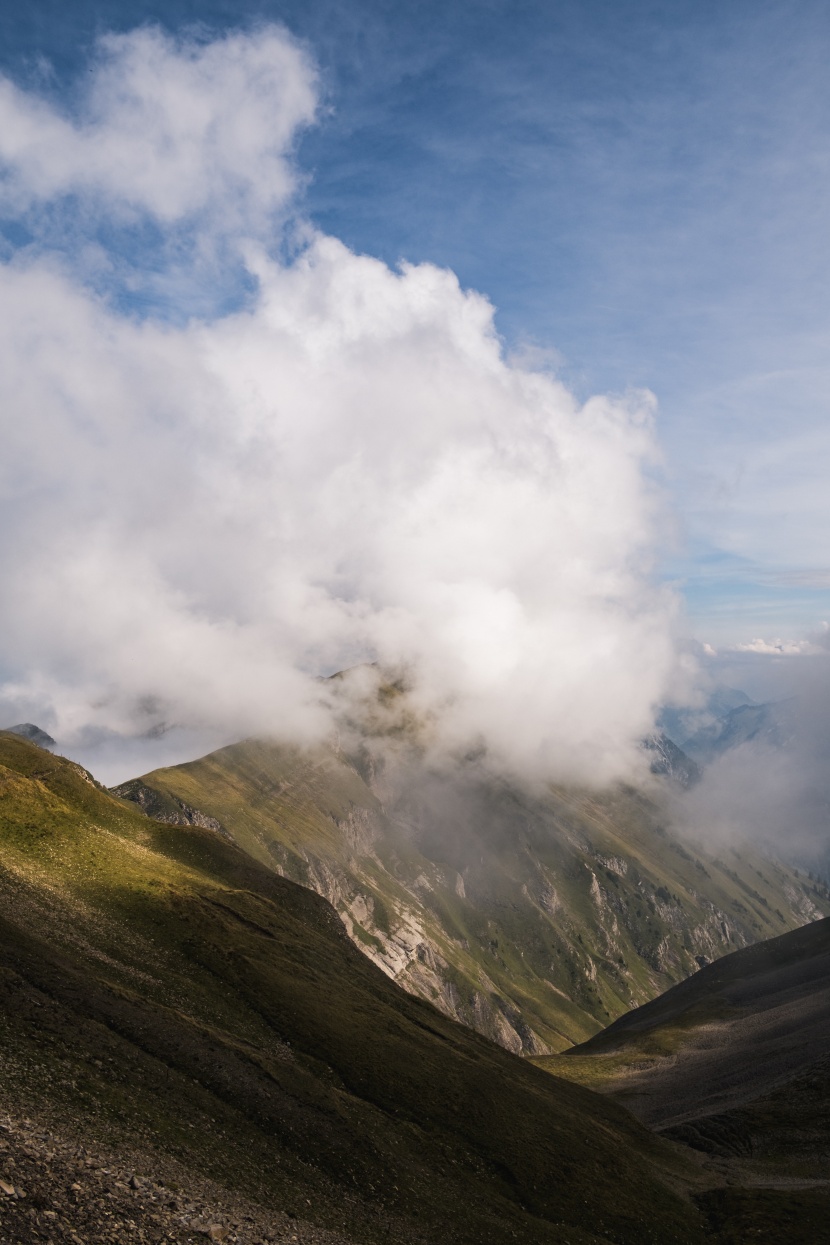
x=54, y=1189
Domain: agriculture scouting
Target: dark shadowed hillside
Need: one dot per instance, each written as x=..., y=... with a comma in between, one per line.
x=161, y=989
x=738, y=1028
x=735, y=1063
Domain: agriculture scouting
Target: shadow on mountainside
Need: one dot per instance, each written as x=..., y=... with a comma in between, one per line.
x=162, y=990
x=733, y=1063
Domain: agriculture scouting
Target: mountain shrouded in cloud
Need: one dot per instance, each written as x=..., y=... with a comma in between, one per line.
x=202, y=513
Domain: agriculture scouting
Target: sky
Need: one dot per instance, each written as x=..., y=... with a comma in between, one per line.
x=626, y=199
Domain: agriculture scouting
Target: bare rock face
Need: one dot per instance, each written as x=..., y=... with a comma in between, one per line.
x=173, y=812
x=672, y=762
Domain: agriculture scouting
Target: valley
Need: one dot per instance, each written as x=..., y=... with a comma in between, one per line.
x=734, y=1063
x=534, y=918
x=166, y=994
x=210, y=1046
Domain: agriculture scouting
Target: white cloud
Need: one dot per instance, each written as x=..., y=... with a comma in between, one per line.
x=174, y=129
x=197, y=518
x=773, y=788
x=777, y=647
x=821, y=637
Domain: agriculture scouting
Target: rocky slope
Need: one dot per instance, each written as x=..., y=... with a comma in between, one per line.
x=57, y=1183
x=534, y=918
x=162, y=993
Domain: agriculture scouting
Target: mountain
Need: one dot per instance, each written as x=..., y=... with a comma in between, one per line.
x=771, y=724
x=671, y=761
x=683, y=723
x=166, y=995
x=723, y=699
x=737, y=1029
x=798, y=796
x=28, y=730
x=533, y=917
x=734, y=1063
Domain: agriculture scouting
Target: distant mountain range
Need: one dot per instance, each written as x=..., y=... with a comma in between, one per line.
x=681, y=724
x=770, y=724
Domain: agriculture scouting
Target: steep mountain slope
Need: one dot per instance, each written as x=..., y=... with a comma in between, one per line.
x=671, y=761
x=162, y=988
x=734, y=1063
x=738, y=1030
x=533, y=918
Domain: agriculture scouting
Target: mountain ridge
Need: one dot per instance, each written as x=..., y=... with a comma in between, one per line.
x=533, y=918
x=770, y=724
x=175, y=999
x=162, y=986
x=733, y=1063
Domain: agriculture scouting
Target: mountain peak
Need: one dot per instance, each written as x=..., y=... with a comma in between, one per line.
x=33, y=733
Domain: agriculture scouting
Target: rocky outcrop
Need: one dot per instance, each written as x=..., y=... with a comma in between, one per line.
x=533, y=918
x=173, y=812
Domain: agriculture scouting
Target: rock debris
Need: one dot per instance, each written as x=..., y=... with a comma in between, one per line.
x=55, y=1191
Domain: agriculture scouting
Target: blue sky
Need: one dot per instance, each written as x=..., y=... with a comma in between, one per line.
x=642, y=191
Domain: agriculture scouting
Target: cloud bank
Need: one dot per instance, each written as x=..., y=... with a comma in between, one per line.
x=200, y=516
x=773, y=789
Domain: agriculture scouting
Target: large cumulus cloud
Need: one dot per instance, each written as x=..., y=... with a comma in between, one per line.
x=201, y=515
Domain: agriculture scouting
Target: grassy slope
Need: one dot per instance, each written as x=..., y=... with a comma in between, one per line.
x=738, y=1055
x=160, y=984
x=783, y=1133
x=751, y=979
x=534, y=920
x=734, y=1031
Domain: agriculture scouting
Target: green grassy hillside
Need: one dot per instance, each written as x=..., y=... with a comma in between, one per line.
x=159, y=984
x=734, y=1063
x=535, y=919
